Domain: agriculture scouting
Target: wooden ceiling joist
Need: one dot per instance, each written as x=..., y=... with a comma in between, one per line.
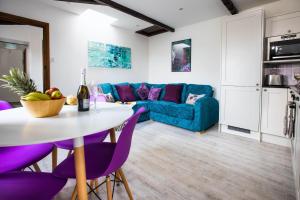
x=230, y=6
x=159, y=27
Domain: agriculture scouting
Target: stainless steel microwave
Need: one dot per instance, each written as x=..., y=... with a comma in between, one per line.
x=284, y=47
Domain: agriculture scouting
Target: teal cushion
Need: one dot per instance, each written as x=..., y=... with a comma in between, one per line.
x=183, y=111
x=115, y=92
x=106, y=88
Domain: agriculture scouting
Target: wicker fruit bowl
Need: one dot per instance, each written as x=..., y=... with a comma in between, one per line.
x=44, y=108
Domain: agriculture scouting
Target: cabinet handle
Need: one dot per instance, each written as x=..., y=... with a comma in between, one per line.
x=257, y=84
x=265, y=90
x=257, y=89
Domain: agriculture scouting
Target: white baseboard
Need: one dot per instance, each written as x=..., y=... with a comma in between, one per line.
x=282, y=141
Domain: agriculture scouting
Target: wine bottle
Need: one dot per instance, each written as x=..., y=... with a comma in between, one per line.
x=83, y=94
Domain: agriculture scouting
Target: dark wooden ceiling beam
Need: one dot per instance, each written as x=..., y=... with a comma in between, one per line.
x=82, y=1
x=124, y=9
x=134, y=13
x=230, y=6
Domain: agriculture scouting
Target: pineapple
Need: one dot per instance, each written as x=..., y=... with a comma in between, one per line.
x=18, y=82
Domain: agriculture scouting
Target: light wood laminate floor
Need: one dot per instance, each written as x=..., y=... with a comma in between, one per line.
x=169, y=163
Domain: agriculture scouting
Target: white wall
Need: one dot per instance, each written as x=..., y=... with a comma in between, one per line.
x=34, y=57
x=206, y=53
x=206, y=49
x=68, y=45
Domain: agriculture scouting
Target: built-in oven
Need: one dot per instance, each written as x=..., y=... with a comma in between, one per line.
x=284, y=47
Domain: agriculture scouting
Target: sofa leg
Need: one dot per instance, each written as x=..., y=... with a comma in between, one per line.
x=200, y=132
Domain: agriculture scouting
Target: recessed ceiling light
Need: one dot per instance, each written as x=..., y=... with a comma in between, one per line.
x=180, y=9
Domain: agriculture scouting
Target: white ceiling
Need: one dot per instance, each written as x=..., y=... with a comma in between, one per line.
x=165, y=11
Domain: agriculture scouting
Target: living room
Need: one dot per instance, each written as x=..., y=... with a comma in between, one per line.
x=213, y=86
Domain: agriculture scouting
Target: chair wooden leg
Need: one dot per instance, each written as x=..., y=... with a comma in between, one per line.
x=108, y=188
x=54, y=158
x=125, y=184
x=69, y=153
x=36, y=167
x=96, y=184
x=92, y=184
x=74, y=194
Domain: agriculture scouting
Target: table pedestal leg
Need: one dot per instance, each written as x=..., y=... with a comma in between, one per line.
x=80, y=168
x=54, y=158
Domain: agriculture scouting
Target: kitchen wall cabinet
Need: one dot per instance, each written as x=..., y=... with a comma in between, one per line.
x=242, y=44
x=274, y=101
x=284, y=24
x=240, y=107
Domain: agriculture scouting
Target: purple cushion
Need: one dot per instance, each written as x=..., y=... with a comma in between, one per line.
x=125, y=92
x=154, y=93
x=143, y=91
x=173, y=93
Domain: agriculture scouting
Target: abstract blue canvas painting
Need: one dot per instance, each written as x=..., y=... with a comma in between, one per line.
x=108, y=55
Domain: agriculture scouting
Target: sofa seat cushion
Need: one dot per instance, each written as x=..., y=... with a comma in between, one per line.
x=139, y=104
x=183, y=111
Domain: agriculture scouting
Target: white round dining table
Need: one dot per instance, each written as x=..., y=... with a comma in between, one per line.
x=17, y=128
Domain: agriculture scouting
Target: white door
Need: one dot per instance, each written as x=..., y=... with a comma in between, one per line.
x=274, y=101
x=242, y=43
x=240, y=107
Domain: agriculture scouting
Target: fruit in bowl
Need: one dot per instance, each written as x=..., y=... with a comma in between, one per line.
x=71, y=100
x=38, y=104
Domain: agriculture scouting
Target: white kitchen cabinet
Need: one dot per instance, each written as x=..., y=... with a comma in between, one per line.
x=274, y=101
x=283, y=24
x=240, y=107
x=242, y=44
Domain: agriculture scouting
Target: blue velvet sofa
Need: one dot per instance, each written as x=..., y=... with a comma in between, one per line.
x=198, y=117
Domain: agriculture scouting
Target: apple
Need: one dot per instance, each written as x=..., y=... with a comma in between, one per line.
x=51, y=90
x=56, y=94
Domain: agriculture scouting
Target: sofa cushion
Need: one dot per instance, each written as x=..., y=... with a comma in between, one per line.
x=143, y=91
x=125, y=93
x=105, y=88
x=135, y=86
x=139, y=104
x=115, y=92
x=154, y=94
x=173, y=93
x=162, y=86
x=198, y=89
x=183, y=111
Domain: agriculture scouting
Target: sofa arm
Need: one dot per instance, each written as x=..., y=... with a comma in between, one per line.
x=206, y=113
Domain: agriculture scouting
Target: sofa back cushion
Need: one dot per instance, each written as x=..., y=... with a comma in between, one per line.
x=154, y=94
x=105, y=88
x=143, y=91
x=115, y=92
x=162, y=86
x=125, y=93
x=198, y=89
x=173, y=93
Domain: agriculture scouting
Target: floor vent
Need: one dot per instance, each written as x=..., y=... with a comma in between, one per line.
x=239, y=129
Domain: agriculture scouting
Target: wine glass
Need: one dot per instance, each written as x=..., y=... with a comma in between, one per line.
x=94, y=91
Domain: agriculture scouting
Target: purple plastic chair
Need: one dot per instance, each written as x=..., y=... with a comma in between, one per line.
x=95, y=138
x=29, y=186
x=102, y=159
x=16, y=158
